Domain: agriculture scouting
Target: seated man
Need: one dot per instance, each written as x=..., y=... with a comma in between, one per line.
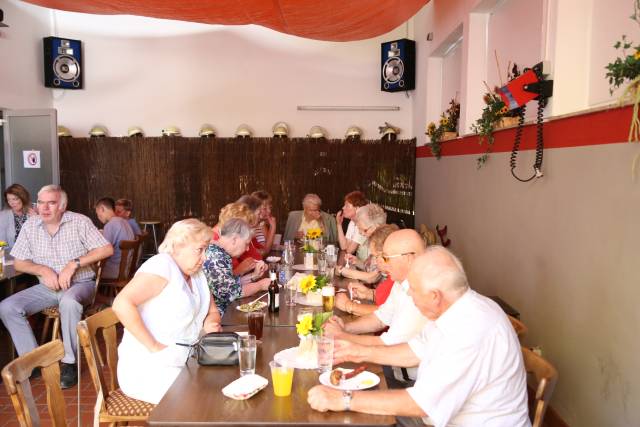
x=115, y=230
x=124, y=209
x=470, y=371
x=58, y=247
x=398, y=312
x=311, y=216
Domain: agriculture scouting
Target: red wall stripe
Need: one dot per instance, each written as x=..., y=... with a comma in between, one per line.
x=595, y=128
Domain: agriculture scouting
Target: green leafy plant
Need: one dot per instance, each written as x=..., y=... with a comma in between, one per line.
x=625, y=69
x=448, y=123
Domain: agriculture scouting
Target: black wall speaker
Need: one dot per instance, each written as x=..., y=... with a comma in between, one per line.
x=62, y=63
x=398, y=65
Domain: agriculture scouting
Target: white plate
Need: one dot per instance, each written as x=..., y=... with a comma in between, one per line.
x=273, y=259
x=301, y=267
x=259, y=306
x=245, y=387
x=289, y=357
x=361, y=381
x=302, y=299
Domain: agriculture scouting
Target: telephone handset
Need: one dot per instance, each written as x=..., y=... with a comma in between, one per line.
x=529, y=86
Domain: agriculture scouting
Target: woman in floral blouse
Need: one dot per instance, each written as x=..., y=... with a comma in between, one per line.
x=235, y=235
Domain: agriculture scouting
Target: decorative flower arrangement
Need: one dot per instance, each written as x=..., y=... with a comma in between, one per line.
x=494, y=111
x=312, y=243
x=3, y=244
x=626, y=70
x=311, y=283
x=311, y=324
x=448, y=123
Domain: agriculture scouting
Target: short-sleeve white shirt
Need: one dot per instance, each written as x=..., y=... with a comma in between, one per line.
x=471, y=371
x=354, y=234
x=401, y=315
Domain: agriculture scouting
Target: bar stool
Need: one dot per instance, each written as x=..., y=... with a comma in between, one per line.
x=152, y=224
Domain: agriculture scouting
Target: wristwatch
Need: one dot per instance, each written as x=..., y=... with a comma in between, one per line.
x=347, y=395
x=77, y=261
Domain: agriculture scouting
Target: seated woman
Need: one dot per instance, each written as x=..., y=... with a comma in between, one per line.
x=251, y=258
x=265, y=232
x=368, y=219
x=360, y=292
x=254, y=251
x=225, y=286
x=311, y=216
x=353, y=239
x=11, y=220
x=167, y=302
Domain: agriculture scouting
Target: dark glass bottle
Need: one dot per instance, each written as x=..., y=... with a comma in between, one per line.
x=274, y=293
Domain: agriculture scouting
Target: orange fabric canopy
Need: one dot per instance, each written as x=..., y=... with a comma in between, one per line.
x=331, y=20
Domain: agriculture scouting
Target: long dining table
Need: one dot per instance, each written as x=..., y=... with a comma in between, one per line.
x=196, y=399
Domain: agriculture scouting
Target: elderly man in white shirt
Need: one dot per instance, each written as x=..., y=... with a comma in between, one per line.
x=398, y=312
x=470, y=365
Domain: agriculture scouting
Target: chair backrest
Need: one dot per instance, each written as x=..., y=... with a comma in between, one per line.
x=15, y=376
x=520, y=328
x=542, y=377
x=127, y=260
x=137, y=254
x=88, y=329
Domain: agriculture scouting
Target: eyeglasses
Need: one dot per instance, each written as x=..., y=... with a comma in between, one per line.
x=386, y=258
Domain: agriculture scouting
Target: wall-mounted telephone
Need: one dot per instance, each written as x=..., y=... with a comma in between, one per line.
x=531, y=85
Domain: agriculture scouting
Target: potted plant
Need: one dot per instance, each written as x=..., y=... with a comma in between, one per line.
x=446, y=129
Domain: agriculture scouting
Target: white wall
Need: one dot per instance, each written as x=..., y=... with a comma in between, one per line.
x=21, y=69
x=154, y=73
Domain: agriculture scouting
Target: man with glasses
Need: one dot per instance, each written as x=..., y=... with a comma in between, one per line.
x=398, y=313
x=59, y=247
x=471, y=371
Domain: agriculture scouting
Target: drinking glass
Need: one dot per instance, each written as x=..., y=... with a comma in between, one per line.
x=290, y=294
x=282, y=378
x=325, y=353
x=255, y=319
x=328, y=297
x=322, y=263
x=287, y=253
x=247, y=355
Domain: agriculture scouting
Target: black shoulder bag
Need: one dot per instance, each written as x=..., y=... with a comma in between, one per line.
x=216, y=348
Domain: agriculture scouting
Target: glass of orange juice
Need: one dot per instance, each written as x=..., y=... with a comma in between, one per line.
x=282, y=377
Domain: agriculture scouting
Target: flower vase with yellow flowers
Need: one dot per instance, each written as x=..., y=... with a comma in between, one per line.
x=311, y=286
x=309, y=327
x=446, y=129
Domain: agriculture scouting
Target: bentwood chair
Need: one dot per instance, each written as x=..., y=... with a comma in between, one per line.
x=15, y=376
x=520, y=328
x=128, y=254
x=137, y=254
x=112, y=405
x=542, y=378
x=53, y=314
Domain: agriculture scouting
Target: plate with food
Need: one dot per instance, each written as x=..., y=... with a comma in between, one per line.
x=273, y=259
x=349, y=379
x=252, y=306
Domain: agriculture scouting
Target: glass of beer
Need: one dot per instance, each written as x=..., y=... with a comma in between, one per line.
x=255, y=319
x=328, y=296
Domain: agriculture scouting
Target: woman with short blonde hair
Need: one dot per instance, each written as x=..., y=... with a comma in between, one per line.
x=165, y=304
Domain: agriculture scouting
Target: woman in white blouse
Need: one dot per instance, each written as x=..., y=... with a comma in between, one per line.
x=350, y=241
x=167, y=302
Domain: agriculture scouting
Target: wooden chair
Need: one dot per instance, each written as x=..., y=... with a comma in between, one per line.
x=125, y=270
x=137, y=254
x=15, y=376
x=113, y=405
x=520, y=328
x=542, y=378
x=53, y=314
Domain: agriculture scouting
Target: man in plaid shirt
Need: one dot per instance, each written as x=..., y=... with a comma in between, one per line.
x=58, y=247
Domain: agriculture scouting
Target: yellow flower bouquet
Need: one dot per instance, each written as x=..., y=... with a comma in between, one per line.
x=311, y=283
x=308, y=328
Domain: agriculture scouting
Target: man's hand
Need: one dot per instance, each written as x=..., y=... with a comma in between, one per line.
x=49, y=278
x=64, y=278
x=323, y=399
x=333, y=327
x=360, y=291
x=342, y=300
x=347, y=351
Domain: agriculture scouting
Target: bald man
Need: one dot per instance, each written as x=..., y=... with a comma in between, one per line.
x=398, y=312
x=470, y=371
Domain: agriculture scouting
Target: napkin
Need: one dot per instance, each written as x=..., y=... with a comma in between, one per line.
x=245, y=387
